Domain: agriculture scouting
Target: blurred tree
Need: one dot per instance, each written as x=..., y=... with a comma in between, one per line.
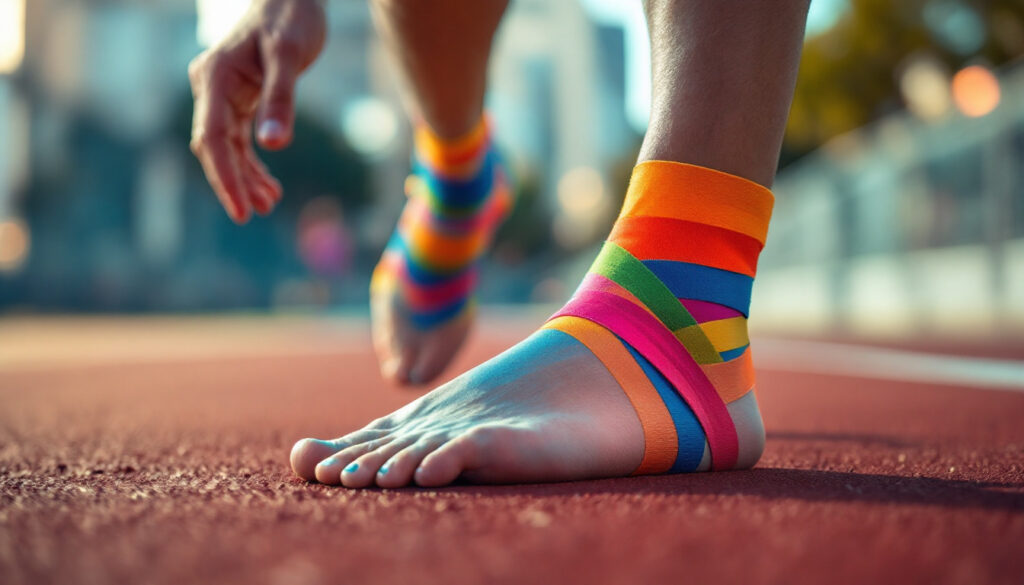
x=849, y=75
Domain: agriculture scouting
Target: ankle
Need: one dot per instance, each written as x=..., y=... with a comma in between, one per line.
x=673, y=284
x=457, y=156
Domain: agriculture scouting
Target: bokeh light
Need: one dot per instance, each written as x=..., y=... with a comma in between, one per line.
x=581, y=193
x=14, y=244
x=324, y=242
x=370, y=125
x=924, y=85
x=975, y=91
x=12, y=35
x=957, y=26
x=583, y=205
x=215, y=18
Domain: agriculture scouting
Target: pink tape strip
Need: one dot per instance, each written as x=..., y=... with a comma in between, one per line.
x=703, y=311
x=656, y=343
x=594, y=281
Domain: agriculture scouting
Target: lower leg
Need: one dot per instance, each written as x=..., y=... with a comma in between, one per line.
x=723, y=73
x=421, y=293
x=591, y=395
x=440, y=50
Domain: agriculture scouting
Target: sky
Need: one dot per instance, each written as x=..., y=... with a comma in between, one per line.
x=822, y=16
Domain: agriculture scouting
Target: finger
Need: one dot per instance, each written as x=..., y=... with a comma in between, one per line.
x=277, y=107
x=214, y=154
x=272, y=185
x=225, y=176
x=210, y=143
x=260, y=198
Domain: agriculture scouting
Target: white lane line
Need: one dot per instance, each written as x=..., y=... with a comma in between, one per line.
x=887, y=364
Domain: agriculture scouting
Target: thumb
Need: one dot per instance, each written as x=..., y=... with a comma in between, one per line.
x=277, y=107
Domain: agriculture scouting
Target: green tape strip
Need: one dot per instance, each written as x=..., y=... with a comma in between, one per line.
x=618, y=265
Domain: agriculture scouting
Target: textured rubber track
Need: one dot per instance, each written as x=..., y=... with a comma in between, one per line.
x=169, y=466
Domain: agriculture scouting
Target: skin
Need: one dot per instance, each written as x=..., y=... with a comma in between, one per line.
x=441, y=57
x=248, y=80
x=406, y=354
x=724, y=74
x=547, y=410
x=440, y=52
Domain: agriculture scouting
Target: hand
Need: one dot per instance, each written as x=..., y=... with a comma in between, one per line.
x=250, y=77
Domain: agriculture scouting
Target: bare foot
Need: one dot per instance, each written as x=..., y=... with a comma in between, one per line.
x=408, y=354
x=545, y=410
x=646, y=369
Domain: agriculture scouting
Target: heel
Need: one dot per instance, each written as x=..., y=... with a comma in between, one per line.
x=749, y=430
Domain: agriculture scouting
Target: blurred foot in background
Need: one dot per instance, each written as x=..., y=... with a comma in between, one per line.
x=421, y=293
x=458, y=193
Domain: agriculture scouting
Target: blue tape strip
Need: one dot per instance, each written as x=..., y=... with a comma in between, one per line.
x=458, y=194
x=690, y=434
x=732, y=354
x=430, y=320
x=704, y=283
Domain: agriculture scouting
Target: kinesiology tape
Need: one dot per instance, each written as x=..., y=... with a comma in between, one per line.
x=458, y=195
x=664, y=307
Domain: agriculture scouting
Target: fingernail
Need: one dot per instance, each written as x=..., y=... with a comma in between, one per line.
x=351, y=467
x=383, y=469
x=271, y=130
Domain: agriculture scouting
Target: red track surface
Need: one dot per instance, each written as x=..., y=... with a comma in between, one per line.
x=173, y=470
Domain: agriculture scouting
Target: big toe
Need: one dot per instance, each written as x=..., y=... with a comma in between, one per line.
x=307, y=453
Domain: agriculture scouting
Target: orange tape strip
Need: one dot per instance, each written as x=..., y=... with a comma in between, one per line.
x=698, y=194
x=666, y=238
x=660, y=442
x=439, y=251
x=456, y=157
x=732, y=379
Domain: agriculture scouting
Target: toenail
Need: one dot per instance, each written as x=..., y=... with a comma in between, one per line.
x=383, y=470
x=351, y=467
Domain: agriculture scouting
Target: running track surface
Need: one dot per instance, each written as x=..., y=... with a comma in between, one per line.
x=154, y=451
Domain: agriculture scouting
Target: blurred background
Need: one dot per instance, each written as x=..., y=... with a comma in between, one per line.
x=900, y=194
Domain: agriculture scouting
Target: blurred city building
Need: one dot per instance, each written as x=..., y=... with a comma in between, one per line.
x=112, y=213
x=902, y=160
